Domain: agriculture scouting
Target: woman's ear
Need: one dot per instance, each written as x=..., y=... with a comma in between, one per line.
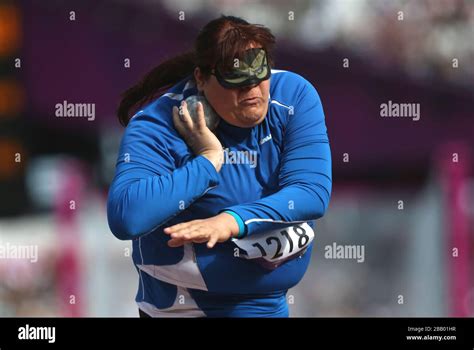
x=199, y=78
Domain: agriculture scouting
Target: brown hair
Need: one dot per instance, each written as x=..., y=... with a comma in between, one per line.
x=219, y=41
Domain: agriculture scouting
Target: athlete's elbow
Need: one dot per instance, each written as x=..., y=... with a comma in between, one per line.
x=321, y=196
x=123, y=223
x=120, y=226
x=321, y=209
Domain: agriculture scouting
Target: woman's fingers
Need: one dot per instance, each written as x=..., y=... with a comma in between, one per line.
x=197, y=235
x=184, y=232
x=188, y=233
x=174, y=243
x=212, y=241
x=211, y=230
x=184, y=115
x=200, y=240
x=196, y=134
x=201, y=121
x=182, y=120
x=183, y=225
x=178, y=242
x=178, y=124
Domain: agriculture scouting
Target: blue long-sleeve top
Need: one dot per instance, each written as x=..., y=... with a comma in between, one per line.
x=287, y=179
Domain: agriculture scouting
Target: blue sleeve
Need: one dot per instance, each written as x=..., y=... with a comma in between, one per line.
x=305, y=178
x=148, y=188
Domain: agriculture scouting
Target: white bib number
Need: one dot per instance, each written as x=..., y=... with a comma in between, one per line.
x=278, y=245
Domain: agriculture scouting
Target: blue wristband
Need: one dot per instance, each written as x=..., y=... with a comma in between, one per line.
x=240, y=222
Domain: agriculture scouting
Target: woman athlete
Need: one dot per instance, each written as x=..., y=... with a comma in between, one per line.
x=222, y=221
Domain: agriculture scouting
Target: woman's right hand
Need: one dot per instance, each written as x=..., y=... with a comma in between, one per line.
x=197, y=135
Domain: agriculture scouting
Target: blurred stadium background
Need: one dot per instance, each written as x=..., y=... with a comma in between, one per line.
x=403, y=189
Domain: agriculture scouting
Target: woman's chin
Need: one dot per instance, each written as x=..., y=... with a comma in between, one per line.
x=249, y=121
x=252, y=116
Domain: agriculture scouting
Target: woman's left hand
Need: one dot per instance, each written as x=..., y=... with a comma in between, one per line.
x=218, y=228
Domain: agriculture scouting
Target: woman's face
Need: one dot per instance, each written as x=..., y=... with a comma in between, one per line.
x=243, y=107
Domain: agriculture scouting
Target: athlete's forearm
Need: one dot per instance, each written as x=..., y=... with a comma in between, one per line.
x=139, y=206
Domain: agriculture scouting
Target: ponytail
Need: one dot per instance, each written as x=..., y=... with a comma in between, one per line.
x=155, y=83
